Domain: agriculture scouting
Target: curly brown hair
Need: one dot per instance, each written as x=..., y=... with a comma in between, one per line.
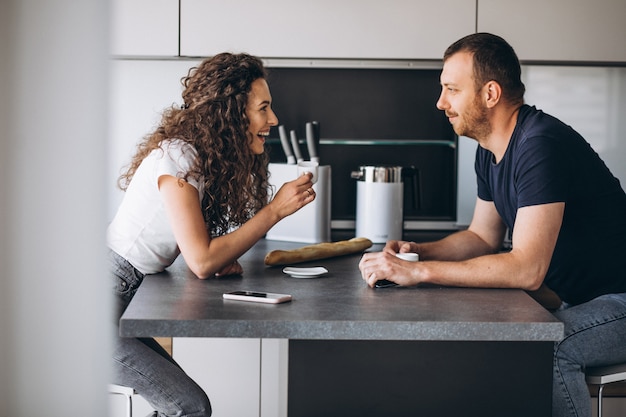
x=213, y=120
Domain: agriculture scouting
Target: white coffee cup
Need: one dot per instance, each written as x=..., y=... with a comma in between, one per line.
x=308, y=166
x=411, y=257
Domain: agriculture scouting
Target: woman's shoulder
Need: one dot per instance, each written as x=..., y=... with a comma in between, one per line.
x=177, y=145
x=176, y=150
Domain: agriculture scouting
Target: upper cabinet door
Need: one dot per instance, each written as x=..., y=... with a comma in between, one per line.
x=558, y=30
x=393, y=29
x=144, y=27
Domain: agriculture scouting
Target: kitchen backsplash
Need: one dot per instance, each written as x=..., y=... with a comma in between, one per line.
x=361, y=103
x=372, y=116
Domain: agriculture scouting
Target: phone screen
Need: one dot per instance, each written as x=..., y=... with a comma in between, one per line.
x=250, y=294
x=383, y=283
x=257, y=296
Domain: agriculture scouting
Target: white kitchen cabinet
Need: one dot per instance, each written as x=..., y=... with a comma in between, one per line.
x=228, y=370
x=558, y=30
x=242, y=377
x=360, y=29
x=274, y=377
x=144, y=27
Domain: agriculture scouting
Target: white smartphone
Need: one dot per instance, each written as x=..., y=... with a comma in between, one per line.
x=257, y=297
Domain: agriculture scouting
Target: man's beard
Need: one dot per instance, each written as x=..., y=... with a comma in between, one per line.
x=476, y=123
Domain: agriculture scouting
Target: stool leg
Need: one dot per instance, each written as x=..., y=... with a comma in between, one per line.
x=129, y=406
x=600, y=400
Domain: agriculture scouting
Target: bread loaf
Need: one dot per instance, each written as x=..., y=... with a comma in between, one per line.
x=317, y=251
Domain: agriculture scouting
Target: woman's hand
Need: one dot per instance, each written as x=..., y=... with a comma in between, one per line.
x=232, y=269
x=293, y=195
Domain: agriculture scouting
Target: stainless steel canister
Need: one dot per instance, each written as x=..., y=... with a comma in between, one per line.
x=380, y=191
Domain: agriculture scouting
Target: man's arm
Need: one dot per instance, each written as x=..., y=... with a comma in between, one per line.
x=484, y=236
x=535, y=234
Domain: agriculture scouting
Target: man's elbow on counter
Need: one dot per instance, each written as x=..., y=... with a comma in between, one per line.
x=533, y=281
x=534, y=286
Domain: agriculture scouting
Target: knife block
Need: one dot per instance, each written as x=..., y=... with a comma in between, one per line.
x=310, y=224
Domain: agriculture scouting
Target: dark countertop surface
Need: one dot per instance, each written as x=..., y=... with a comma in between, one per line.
x=338, y=305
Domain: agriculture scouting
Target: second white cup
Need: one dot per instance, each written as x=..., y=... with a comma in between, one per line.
x=412, y=257
x=308, y=166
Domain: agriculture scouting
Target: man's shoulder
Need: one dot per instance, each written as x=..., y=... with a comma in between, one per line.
x=533, y=119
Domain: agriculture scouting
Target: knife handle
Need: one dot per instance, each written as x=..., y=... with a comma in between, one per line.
x=296, y=146
x=284, y=140
x=316, y=130
x=310, y=142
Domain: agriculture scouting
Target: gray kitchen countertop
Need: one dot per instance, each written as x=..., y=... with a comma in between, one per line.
x=338, y=305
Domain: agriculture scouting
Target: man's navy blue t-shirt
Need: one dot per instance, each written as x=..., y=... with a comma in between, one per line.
x=547, y=162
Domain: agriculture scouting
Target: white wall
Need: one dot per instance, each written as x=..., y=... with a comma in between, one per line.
x=6, y=324
x=140, y=90
x=53, y=294
x=590, y=99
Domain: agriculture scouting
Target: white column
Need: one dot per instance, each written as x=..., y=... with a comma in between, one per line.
x=54, y=334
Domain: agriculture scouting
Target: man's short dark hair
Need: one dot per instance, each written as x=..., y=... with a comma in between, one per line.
x=494, y=60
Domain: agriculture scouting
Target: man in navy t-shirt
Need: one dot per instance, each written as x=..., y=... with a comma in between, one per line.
x=566, y=211
x=548, y=162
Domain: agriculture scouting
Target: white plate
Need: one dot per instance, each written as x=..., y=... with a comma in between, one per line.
x=317, y=271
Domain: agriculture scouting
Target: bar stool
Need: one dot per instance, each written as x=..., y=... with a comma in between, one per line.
x=602, y=375
x=126, y=392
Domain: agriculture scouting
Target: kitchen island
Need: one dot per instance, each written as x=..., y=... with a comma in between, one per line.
x=354, y=350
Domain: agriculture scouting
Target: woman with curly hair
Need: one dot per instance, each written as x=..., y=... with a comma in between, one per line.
x=197, y=186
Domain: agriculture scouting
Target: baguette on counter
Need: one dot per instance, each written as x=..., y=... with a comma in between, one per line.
x=317, y=251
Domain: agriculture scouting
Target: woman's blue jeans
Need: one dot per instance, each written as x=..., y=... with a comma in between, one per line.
x=595, y=335
x=144, y=365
